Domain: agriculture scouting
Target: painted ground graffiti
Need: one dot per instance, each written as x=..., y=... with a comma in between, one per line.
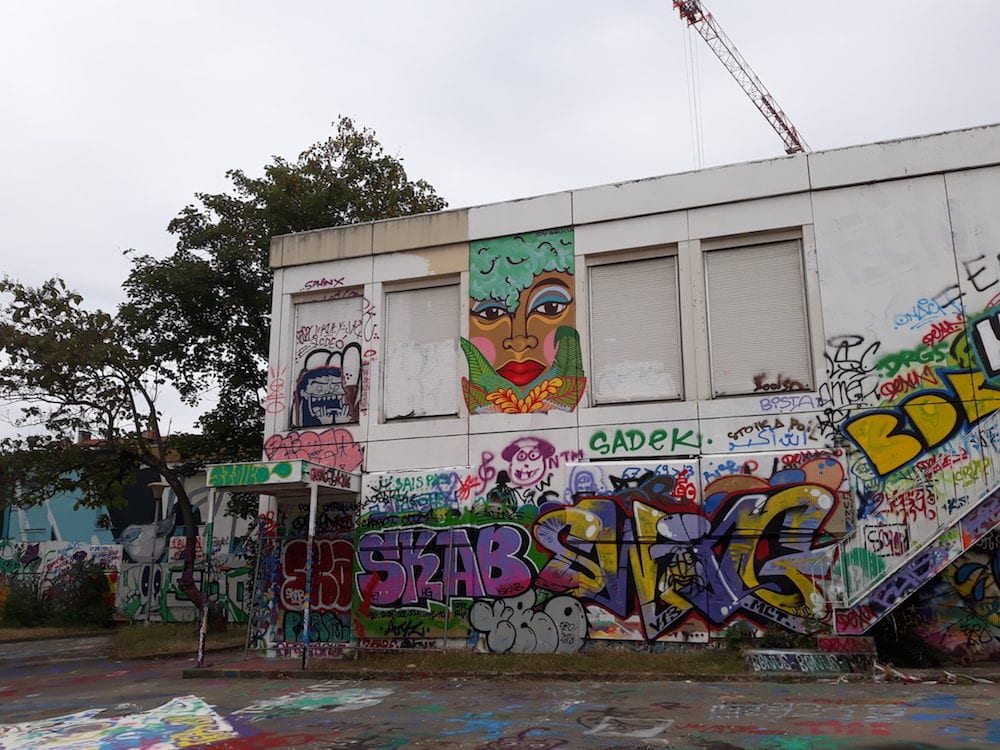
x=182, y=722
x=324, y=696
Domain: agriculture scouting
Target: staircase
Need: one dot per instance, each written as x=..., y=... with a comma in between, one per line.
x=923, y=521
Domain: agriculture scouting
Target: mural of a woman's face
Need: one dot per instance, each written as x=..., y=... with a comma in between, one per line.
x=523, y=347
x=520, y=343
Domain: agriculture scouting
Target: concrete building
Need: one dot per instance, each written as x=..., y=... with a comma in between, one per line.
x=646, y=411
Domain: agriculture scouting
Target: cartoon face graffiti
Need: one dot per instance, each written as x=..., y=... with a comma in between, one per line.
x=527, y=458
x=328, y=387
x=523, y=349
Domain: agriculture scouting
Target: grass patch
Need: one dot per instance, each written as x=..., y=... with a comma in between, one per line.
x=30, y=634
x=169, y=639
x=597, y=662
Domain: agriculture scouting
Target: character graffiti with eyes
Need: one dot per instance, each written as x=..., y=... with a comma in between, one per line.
x=523, y=348
x=329, y=387
x=527, y=458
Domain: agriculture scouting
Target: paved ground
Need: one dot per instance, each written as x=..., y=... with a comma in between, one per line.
x=140, y=704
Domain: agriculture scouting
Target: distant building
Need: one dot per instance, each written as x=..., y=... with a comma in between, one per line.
x=139, y=542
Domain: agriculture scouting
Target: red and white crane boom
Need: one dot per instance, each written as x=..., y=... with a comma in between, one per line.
x=695, y=14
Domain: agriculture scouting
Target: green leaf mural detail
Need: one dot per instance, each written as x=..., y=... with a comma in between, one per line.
x=481, y=372
x=475, y=397
x=569, y=394
x=478, y=365
x=569, y=357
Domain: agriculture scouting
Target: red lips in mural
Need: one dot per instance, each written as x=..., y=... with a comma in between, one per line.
x=521, y=373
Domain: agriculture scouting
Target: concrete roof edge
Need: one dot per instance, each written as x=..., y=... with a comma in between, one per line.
x=275, y=241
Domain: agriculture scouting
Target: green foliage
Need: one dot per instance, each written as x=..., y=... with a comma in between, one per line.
x=204, y=310
x=80, y=595
x=74, y=369
x=781, y=638
x=169, y=639
x=569, y=393
x=505, y=266
x=590, y=663
x=242, y=504
x=26, y=605
x=778, y=637
x=738, y=636
x=569, y=356
x=475, y=397
x=481, y=372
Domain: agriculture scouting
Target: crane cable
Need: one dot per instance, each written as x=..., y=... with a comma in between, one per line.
x=693, y=78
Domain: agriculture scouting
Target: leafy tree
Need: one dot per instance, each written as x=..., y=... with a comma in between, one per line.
x=71, y=369
x=204, y=311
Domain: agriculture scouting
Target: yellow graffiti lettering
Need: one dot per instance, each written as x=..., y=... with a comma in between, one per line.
x=979, y=399
x=658, y=596
x=884, y=441
x=934, y=417
x=801, y=507
x=583, y=552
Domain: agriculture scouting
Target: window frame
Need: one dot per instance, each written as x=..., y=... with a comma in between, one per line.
x=750, y=241
x=622, y=258
x=694, y=324
x=416, y=285
x=354, y=291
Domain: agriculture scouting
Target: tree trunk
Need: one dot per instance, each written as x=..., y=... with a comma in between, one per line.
x=186, y=582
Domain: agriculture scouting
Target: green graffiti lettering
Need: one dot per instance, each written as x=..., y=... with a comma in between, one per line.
x=685, y=440
x=599, y=443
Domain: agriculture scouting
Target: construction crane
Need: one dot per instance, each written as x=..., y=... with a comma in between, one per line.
x=695, y=14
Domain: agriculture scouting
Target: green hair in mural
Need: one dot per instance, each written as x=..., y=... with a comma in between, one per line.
x=501, y=268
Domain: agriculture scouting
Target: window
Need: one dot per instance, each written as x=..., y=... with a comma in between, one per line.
x=635, y=331
x=758, y=330
x=421, y=352
x=328, y=367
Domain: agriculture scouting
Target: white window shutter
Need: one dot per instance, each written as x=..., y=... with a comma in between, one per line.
x=635, y=331
x=758, y=328
x=421, y=354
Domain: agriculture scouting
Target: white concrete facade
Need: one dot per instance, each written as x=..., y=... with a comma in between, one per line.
x=863, y=388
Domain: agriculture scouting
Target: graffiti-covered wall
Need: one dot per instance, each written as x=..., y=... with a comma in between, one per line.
x=142, y=557
x=959, y=612
x=760, y=394
x=44, y=563
x=567, y=551
x=283, y=586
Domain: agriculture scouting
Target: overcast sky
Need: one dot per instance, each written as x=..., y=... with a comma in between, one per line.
x=116, y=113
